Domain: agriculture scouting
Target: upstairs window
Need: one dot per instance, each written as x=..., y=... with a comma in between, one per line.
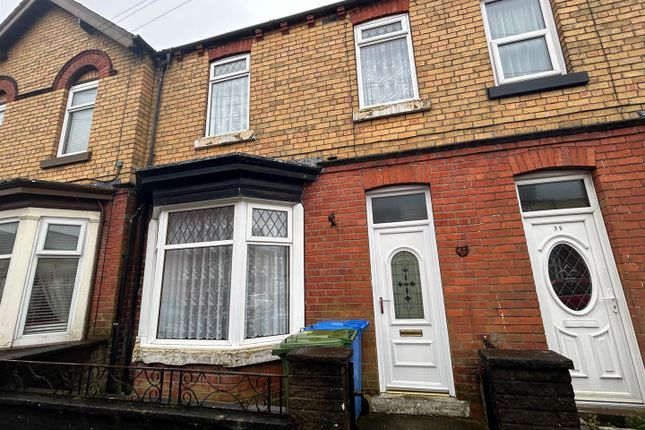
x=228, y=101
x=385, y=61
x=523, y=40
x=2, y=108
x=78, y=119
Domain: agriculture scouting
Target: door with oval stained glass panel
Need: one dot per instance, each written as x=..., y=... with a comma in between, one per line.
x=580, y=307
x=412, y=337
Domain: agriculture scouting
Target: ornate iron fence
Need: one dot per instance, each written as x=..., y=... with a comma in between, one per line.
x=253, y=392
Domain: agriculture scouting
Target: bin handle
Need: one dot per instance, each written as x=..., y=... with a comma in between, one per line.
x=381, y=300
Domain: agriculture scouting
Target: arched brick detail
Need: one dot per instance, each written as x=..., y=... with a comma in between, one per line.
x=378, y=10
x=9, y=86
x=552, y=158
x=395, y=175
x=231, y=48
x=80, y=64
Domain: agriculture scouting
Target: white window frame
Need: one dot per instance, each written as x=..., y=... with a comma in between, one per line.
x=359, y=43
x=69, y=110
x=8, y=256
x=3, y=108
x=30, y=237
x=549, y=33
x=242, y=238
x=217, y=79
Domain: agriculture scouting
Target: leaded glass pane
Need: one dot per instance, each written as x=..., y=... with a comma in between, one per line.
x=570, y=277
x=406, y=286
x=195, y=293
x=203, y=225
x=269, y=223
x=7, y=237
x=61, y=237
x=553, y=195
x=382, y=29
x=228, y=68
x=51, y=295
x=407, y=207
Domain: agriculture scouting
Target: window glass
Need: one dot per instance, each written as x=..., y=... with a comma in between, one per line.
x=51, y=295
x=195, y=293
x=230, y=67
x=269, y=223
x=406, y=207
x=204, y=225
x=386, y=62
x=7, y=239
x=62, y=237
x=553, y=195
x=385, y=70
x=512, y=17
x=267, y=285
x=525, y=58
x=2, y=109
x=83, y=97
x=406, y=286
x=570, y=277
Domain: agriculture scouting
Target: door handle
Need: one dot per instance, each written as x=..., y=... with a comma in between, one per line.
x=380, y=301
x=614, y=304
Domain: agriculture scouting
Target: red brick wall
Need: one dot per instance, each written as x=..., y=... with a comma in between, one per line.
x=110, y=264
x=490, y=292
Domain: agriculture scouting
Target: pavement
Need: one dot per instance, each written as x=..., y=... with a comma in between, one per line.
x=373, y=421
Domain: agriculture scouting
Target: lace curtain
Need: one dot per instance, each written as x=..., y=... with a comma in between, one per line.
x=514, y=17
x=385, y=72
x=229, y=106
x=267, y=291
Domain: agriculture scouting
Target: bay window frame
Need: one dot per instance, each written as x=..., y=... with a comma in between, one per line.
x=10, y=255
x=360, y=42
x=549, y=33
x=242, y=238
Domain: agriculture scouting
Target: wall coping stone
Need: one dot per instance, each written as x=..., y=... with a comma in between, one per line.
x=521, y=359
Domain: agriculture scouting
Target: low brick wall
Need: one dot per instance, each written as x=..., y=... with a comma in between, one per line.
x=320, y=387
x=528, y=389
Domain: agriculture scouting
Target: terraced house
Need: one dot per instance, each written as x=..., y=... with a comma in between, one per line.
x=459, y=173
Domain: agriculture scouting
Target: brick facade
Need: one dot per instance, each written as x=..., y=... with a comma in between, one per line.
x=491, y=291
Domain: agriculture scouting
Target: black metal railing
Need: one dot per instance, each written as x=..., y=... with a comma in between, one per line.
x=252, y=392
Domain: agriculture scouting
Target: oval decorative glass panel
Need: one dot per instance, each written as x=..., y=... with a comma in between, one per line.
x=570, y=277
x=406, y=285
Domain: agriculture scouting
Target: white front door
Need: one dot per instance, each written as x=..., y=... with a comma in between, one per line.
x=412, y=336
x=581, y=299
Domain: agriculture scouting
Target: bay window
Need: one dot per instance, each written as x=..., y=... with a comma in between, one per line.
x=523, y=41
x=225, y=275
x=45, y=286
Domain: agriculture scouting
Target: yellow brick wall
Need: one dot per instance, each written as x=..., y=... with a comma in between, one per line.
x=304, y=85
x=32, y=126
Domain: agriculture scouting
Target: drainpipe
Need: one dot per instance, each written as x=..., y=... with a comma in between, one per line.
x=163, y=66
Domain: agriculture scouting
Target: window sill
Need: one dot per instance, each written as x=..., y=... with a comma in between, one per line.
x=65, y=160
x=538, y=85
x=237, y=137
x=383, y=111
x=180, y=356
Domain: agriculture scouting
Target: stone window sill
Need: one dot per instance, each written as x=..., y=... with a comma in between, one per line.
x=65, y=160
x=531, y=86
x=179, y=356
x=384, y=111
x=224, y=139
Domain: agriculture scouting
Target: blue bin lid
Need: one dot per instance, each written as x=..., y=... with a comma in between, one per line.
x=335, y=325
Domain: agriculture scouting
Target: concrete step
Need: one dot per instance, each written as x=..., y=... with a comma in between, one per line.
x=411, y=422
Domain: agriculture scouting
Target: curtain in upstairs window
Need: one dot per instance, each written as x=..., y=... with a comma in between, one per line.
x=229, y=106
x=513, y=17
x=385, y=72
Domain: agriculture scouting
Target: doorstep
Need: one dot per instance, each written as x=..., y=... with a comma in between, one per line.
x=419, y=404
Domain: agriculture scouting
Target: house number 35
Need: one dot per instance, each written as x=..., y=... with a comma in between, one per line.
x=557, y=227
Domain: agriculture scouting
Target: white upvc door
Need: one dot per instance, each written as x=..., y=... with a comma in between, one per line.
x=583, y=307
x=411, y=330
